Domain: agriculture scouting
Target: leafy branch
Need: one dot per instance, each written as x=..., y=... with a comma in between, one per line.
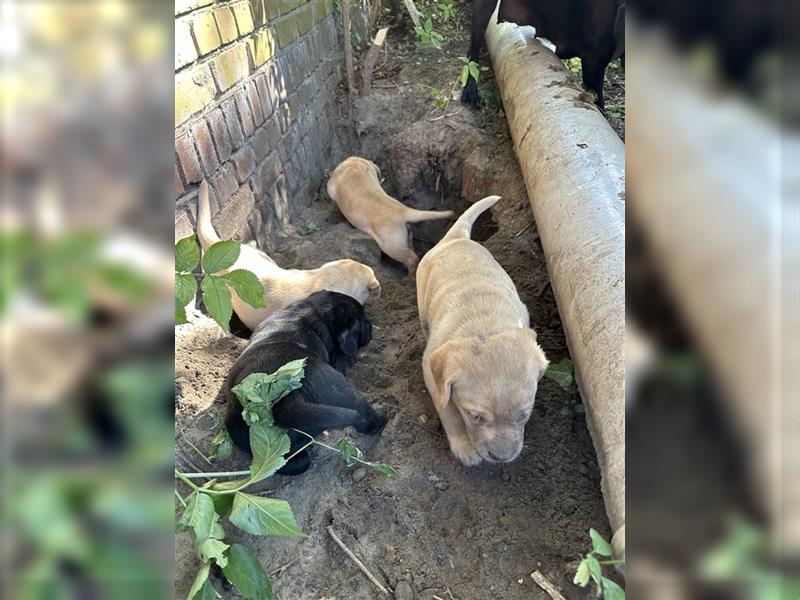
x=468, y=67
x=208, y=503
x=216, y=289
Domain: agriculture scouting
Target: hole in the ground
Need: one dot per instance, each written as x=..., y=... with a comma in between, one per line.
x=433, y=190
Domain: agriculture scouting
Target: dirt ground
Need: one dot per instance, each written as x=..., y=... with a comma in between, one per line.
x=439, y=529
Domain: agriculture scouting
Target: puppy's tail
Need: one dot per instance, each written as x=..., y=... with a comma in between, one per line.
x=462, y=228
x=205, y=229
x=415, y=216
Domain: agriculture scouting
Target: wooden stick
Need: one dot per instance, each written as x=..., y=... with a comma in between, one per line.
x=412, y=10
x=348, y=47
x=548, y=587
x=354, y=558
x=372, y=58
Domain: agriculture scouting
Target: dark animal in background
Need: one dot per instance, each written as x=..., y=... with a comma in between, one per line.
x=327, y=328
x=593, y=30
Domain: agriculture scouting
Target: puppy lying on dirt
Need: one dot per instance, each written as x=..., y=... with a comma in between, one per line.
x=355, y=186
x=481, y=363
x=284, y=286
x=328, y=328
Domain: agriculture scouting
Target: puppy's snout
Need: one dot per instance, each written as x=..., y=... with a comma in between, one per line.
x=375, y=292
x=503, y=457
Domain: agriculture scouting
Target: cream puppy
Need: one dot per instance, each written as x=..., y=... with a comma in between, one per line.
x=355, y=186
x=481, y=362
x=284, y=286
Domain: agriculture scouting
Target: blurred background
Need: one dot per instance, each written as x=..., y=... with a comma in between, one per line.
x=712, y=268
x=86, y=299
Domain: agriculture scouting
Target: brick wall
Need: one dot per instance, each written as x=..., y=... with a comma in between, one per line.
x=254, y=88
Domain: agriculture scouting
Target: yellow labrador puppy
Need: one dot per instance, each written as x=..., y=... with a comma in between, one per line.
x=355, y=186
x=284, y=286
x=481, y=363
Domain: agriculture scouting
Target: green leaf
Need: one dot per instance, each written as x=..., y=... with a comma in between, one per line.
x=217, y=299
x=435, y=91
x=259, y=391
x=248, y=287
x=599, y=545
x=222, y=503
x=464, y=75
x=595, y=570
x=264, y=516
x=473, y=70
x=199, y=582
x=221, y=256
x=348, y=450
x=561, y=373
x=222, y=447
x=185, y=289
x=269, y=444
x=200, y=516
x=567, y=411
x=187, y=254
x=428, y=25
x=206, y=592
x=180, y=316
x=582, y=574
x=383, y=469
x=212, y=548
x=611, y=591
x=247, y=574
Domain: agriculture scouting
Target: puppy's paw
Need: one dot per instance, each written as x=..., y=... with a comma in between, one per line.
x=464, y=451
x=374, y=424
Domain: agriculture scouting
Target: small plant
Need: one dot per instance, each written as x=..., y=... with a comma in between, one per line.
x=308, y=229
x=209, y=503
x=447, y=11
x=427, y=37
x=574, y=65
x=468, y=67
x=562, y=373
x=591, y=569
x=216, y=288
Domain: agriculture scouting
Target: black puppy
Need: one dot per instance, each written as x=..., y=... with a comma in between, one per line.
x=327, y=328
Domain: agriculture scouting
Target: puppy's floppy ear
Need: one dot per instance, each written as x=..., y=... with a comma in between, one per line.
x=442, y=365
x=348, y=342
x=540, y=362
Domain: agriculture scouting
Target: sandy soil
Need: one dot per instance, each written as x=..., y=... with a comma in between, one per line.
x=439, y=529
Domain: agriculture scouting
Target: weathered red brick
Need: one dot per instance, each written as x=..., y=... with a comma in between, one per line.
x=260, y=144
x=255, y=103
x=230, y=221
x=219, y=131
x=179, y=189
x=205, y=33
x=232, y=121
x=264, y=94
x=205, y=146
x=225, y=183
x=245, y=162
x=188, y=160
x=245, y=116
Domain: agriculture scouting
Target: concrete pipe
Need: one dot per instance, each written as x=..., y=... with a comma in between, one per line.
x=574, y=169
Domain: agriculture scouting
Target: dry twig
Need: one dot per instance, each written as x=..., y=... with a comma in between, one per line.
x=548, y=587
x=355, y=559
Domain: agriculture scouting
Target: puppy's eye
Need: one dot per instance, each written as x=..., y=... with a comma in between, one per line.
x=476, y=417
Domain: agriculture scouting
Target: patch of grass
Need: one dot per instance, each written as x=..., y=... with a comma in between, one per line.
x=563, y=373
